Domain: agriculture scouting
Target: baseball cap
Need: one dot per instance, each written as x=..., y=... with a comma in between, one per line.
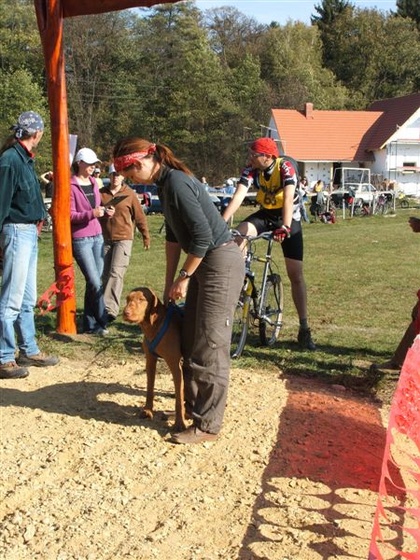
x=111, y=169
x=86, y=155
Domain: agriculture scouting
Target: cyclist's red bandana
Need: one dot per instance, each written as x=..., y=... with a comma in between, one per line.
x=122, y=162
x=265, y=146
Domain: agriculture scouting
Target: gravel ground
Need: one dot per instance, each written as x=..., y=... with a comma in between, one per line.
x=84, y=478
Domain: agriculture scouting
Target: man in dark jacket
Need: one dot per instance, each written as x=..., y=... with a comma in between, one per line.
x=21, y=214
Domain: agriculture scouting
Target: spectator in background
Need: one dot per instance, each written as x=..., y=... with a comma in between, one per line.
x=395, y=363
x=97, y=175
x=204, y=181
x=118, y=232
x=21, y=214
x=87, y=239
x=303, y=194
x=47, y=182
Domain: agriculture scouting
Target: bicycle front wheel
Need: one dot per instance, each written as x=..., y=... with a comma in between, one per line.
x=271, y=310
x=240, y=325
x=404, y=203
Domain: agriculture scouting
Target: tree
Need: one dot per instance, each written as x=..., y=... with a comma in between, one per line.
x=19, y=39
x=328, y=12
x=185, y=99
x=369, y=61
x=19, y=93
x=99, y=94
x=231, y=33
x=292, y=65
x=409, y=9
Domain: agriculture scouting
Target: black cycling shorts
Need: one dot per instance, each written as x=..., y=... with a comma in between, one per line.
x=269, y=220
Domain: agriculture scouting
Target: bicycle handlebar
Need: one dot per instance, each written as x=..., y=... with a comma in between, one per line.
x=264, y=235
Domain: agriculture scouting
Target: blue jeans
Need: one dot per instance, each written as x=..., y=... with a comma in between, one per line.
x=89, y=255
x=19, y=243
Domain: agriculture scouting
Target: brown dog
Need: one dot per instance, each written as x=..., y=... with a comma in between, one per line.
x=161, y=338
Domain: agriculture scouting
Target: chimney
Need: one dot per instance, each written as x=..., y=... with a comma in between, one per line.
x=309, y=107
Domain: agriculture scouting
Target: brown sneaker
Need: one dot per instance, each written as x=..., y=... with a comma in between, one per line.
x=38, y=360
x=12, y=371
x=193, y=435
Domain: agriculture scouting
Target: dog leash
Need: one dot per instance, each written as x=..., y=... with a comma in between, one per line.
x=171, y=309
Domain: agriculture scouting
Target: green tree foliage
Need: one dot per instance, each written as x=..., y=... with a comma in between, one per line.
x=99, y=93
x=20, y=43
x=292, y=66
x=203, y=83
x=409, y=9
x=328, y=11
x=369, y=61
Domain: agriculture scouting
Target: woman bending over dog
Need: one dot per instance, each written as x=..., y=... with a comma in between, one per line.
x=210, y=278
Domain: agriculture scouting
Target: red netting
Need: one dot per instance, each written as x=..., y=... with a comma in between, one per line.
x=396, y=531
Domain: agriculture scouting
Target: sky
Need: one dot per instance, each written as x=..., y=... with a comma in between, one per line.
x=266, y=11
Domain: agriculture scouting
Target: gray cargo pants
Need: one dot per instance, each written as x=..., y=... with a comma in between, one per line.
x=212, y=295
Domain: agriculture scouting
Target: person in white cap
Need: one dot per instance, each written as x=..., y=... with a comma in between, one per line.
x=87, y=239
x=22, y=212
x=118, y=232
x=97, y=175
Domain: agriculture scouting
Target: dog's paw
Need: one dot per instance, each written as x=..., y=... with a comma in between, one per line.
x=146, y=413
x=180, y=426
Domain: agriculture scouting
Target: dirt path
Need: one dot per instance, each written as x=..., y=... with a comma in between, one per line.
x=293, y=475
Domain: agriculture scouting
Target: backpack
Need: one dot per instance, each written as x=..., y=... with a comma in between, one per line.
x=295, y=166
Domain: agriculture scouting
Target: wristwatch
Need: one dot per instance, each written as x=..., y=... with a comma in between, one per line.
x=184, y=274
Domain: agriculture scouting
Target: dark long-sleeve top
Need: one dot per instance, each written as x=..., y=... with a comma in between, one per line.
x=191, y=218
x=20, y=192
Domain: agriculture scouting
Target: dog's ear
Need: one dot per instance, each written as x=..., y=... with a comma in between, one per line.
x=153, y=304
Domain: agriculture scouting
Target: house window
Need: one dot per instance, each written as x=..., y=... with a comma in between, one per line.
x=409, y=164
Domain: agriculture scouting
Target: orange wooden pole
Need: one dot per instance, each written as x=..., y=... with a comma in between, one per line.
x=50, y=23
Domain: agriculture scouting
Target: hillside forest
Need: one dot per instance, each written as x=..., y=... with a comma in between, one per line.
x=204, y=82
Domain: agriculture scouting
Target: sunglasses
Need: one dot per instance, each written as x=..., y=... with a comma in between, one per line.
x=255, y=154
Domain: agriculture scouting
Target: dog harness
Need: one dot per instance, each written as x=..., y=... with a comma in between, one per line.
x=152, y=344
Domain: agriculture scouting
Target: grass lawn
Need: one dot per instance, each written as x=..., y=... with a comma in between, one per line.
x=362, y=276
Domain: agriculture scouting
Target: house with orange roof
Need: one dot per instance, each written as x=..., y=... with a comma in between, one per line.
x=384, y=139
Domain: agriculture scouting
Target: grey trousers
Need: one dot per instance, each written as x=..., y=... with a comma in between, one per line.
x=213, y=293
x=116, y=260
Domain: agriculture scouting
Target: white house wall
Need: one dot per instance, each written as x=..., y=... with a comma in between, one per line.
x=315, y=170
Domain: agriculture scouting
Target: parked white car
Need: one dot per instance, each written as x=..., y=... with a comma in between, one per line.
x=361, y=192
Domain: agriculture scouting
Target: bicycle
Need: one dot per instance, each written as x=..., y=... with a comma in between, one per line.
x=382, y=204
x=263, y=305
x=402, y=201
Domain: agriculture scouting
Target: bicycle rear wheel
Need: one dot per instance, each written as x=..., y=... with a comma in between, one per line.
x=240, y=325
x=271, y=310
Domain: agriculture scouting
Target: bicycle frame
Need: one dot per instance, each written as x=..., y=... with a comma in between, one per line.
x=263, y=304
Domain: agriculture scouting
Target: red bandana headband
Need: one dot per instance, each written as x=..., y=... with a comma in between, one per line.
x=122, y=162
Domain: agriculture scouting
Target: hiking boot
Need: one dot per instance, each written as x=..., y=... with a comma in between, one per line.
x=12, y=371
x=305, y=339
x=193, y=435
x=38, y=360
